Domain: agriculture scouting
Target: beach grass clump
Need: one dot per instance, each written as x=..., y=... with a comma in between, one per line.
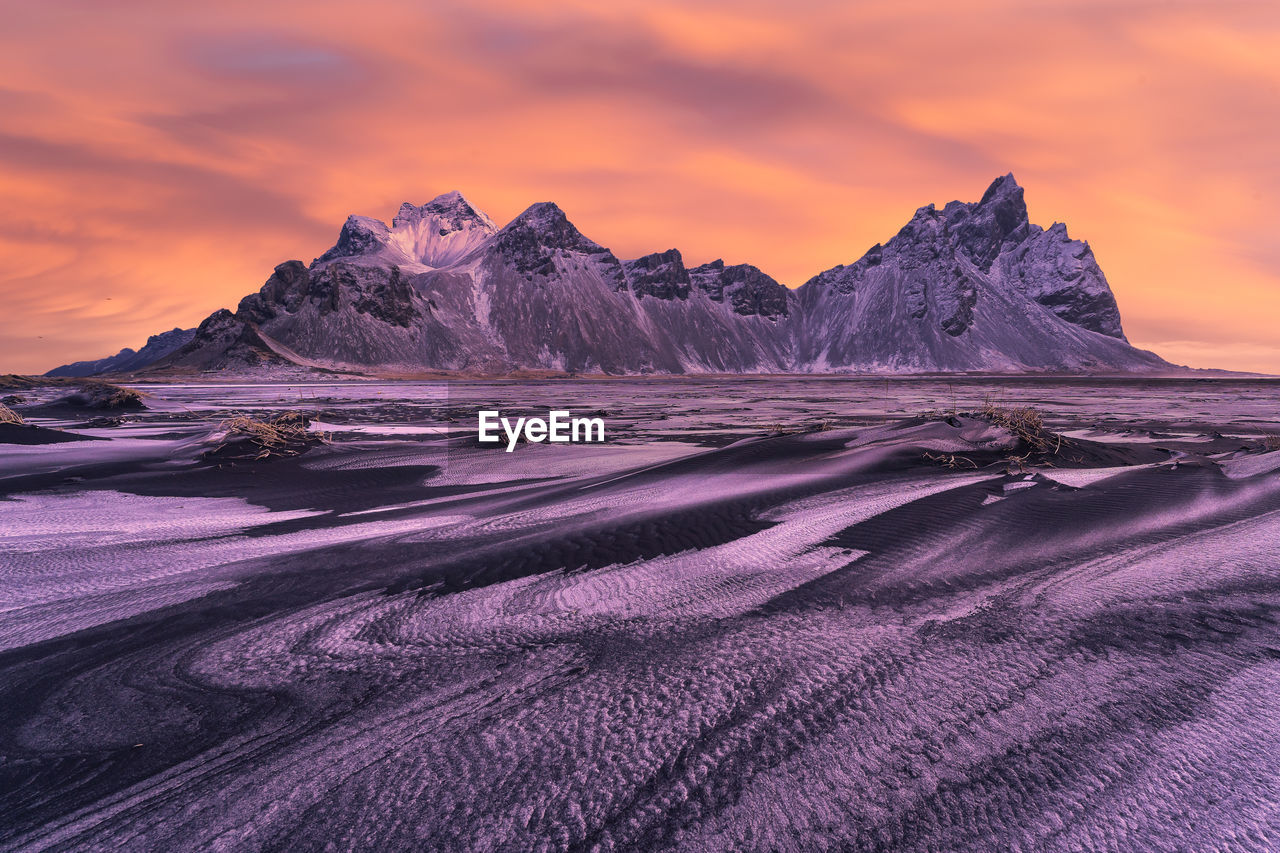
x=1025, y=423
x=105, y=396
x=1022, y=421
x=951, y=460
x=287, y=434
x=9, y=416
x=116, y=397
x=95, y=395
x=781, y=428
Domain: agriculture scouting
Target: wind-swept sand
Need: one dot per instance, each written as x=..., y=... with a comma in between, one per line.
x=883, y=635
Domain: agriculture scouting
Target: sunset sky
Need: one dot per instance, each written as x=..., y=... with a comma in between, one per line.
x=156, y=162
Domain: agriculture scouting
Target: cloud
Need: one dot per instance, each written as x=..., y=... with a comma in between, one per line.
x=265, y=58
x=173, y=156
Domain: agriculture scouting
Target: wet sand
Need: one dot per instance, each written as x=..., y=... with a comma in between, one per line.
x=766, y=614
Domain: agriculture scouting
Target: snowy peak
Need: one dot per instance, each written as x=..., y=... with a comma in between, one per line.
x=435, y=235
x=441, y=232
x=451, y=210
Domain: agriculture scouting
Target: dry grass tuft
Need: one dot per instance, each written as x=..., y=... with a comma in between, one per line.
x=9, y=416
x=823, y=425
x=951, y=460
x=1021, y=420
x=116, y=397
x=103, y=396
x=284, y=435
x=1026, y=423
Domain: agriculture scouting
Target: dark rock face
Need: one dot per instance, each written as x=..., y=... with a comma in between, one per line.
x=381, y=293
x=982, y=231
x=535, y=238
x=128, y=360
x=661, y=275
x=283, y=291
x=968, y=287
x=391, y=301
x=1063, y=275
x=223, y=341
x=749, y=291
x=360, y=235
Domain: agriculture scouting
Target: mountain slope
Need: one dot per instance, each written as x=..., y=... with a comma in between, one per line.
x=127, y=360
x=970, y=287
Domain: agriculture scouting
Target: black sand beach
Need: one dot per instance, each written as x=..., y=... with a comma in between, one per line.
x=783, y=614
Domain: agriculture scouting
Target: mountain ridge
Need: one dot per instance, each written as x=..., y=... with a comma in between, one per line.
x=969, y=287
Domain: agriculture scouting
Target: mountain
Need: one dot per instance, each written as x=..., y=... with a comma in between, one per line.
x=970, y=287
x=435, y=235
x=128, y=360
x=534, y=294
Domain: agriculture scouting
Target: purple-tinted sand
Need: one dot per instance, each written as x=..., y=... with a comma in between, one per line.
x=766, y=614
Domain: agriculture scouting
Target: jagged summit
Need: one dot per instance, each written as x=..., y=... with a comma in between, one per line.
x=745, y=288
x=661, y=275
x=433, y=236
x=532, y=240
x=971, y=286
x=974, y=285
x=451, y=209
x=547, y=219
x=1005, y=186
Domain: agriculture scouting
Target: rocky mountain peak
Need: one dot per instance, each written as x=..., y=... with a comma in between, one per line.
x=431, y=236
x=531, y=241
x=748, y=290
x=360, y=235
x=982, y=231
x=1004, y=187
x=451, y=211
x=548, y=220
x=661, y=275
x=1004, y=202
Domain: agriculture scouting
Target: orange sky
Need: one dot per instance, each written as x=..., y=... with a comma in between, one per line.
x=156, y=162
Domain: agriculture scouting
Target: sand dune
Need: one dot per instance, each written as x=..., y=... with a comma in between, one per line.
x=686, y=639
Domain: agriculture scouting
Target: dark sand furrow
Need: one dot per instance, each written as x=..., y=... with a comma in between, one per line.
x=1041, y=528
x=578, y=660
